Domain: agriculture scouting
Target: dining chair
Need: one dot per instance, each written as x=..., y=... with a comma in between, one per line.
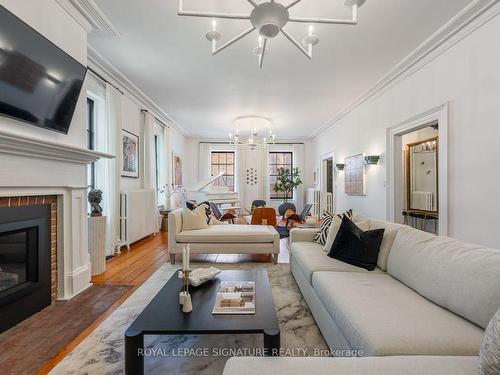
x=261, y=215
x=291, y=216
x=227, y=216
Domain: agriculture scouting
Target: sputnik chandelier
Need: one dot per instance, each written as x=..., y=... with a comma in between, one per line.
x=270, y=18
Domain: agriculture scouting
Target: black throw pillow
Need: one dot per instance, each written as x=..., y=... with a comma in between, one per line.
x=353, y=246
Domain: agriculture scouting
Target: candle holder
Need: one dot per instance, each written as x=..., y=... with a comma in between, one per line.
x=184, y=296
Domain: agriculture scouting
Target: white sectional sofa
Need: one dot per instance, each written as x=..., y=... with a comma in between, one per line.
x=220, y=239
x=424, y=309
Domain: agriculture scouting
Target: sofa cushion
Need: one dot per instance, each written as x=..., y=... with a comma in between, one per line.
x=310, y=257
x=458, y=276
x=230, y=234
x=380, y=315
x=410, y=365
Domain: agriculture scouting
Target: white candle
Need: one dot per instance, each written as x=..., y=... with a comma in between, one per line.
x=188, y=255
x=184, y=259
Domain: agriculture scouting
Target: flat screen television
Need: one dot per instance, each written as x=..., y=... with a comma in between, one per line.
x=39, y=82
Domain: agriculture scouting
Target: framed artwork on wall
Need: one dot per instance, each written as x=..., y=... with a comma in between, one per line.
x=176, y=170
x=130, y=153
x=355, y=175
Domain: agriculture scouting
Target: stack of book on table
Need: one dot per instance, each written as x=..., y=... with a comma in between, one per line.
x=235, y=297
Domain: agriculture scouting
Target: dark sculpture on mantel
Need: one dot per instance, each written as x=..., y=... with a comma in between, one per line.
x=95, y=199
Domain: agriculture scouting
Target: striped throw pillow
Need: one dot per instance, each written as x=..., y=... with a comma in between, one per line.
x=348, y=213
x=322, y=233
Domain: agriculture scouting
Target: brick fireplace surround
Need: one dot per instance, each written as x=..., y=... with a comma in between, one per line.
x=35, y=200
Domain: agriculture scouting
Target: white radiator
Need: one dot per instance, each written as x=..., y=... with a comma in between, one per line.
x=314, y=197
x=329, y=203
x=138, y=215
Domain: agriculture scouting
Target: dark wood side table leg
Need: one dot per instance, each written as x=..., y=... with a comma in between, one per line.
x=272, y=342
x=134, y=353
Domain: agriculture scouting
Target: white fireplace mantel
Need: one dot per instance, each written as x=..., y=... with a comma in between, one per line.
x=31, y=166
x=17, y=144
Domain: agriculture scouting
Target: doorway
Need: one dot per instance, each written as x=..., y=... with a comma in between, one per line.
x=417, y=172
x=327, y=184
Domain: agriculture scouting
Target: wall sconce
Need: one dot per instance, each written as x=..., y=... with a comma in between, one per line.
x=372, y=159
x=340, y=167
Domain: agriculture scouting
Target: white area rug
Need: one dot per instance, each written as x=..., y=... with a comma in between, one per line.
x=102, y=352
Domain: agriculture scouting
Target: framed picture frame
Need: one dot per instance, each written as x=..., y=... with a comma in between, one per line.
x=355, y=175
x=176, y=170
x=130, y=154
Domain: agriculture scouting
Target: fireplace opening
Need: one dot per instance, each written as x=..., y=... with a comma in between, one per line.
x=25, y=266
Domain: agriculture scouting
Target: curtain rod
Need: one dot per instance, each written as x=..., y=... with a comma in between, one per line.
x=121, y=92
x=104, y=79
x=156, y=118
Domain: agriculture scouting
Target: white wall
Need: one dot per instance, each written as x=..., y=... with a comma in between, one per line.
x=467, y=76
x=20, y=175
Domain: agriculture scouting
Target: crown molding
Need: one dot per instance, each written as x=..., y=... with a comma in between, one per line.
x=89, y=16
x=16, y=144
x=464, y=23
x=108, y=71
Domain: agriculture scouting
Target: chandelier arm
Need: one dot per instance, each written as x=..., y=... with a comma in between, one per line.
x=232, y=41
x=190, y=13
x=261, y=56
x=352, y=21
x=293, y=3
x=253, y=3
x=296, y=44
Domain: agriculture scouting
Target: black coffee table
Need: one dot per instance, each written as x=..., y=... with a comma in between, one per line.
x=163, y=316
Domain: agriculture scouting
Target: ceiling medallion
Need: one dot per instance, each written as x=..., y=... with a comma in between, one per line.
x=252, y=124
x=269, y=18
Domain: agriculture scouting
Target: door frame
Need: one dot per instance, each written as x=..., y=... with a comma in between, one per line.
x=323, y=183
x=439, y=115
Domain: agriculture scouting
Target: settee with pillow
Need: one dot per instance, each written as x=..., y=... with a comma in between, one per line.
x=184, y=228
x=424, y=308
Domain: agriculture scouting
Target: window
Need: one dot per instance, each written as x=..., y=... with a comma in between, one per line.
x=223, y=161
x=91, y=141
x=279, y=160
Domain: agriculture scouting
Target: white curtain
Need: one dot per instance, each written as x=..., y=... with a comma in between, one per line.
x=149, y=151
x=266, y=189
x=298, y=161
x=239, y=178
x=112, y=171
x=204, y=161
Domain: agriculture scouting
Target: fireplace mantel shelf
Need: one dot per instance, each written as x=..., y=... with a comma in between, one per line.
x=15, y=144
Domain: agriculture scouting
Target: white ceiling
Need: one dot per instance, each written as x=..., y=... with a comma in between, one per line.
x=168, y=57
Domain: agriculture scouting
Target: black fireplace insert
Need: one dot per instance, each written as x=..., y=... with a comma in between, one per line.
x=25, y=274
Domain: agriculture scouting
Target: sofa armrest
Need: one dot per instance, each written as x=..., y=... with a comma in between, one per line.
x=174, y=228
x=302, y=234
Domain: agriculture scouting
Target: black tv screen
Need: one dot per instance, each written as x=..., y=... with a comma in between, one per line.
x=39, y=82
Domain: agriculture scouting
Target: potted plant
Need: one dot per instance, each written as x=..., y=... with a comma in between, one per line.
x=286, y=181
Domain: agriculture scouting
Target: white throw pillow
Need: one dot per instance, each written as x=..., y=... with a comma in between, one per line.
x=332, y=233
x=385, y=247
x=195, y=219
x=214, y=221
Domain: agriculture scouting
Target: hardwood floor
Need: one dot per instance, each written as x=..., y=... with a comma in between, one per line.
x=33, y=345
x=135, y=266
x=54, y=332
